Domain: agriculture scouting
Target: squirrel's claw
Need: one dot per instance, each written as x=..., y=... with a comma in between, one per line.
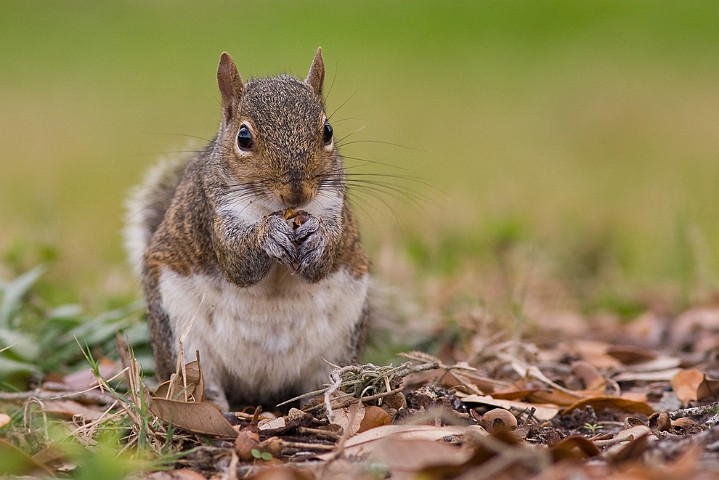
x=277, y=242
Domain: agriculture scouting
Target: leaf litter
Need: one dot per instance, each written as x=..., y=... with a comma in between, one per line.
x=614, y=402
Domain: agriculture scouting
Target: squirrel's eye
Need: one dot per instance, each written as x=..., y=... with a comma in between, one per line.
x=244, y=138
x=327, y=133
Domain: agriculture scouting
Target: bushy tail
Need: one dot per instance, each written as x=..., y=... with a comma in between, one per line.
x=146, y=206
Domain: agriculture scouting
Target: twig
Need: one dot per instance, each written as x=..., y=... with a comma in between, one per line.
x=86, y=396
x=305, y=445
x=319, y=432
x=712, y=408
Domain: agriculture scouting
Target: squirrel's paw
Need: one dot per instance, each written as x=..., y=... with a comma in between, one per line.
x=310, y=242
x=277, y=239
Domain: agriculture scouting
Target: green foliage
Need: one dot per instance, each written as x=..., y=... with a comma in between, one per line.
x=36, y=338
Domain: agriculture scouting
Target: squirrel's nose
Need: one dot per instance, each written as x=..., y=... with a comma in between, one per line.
x=295, y=194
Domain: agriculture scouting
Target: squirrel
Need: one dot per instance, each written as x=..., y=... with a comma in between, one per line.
x=249, y=251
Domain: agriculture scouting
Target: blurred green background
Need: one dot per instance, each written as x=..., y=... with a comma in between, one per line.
x=588, y=130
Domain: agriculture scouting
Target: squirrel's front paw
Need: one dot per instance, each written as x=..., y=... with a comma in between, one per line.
x=277, y=238
x=310, y=242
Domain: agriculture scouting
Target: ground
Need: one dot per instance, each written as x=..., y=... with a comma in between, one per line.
x=574, y=396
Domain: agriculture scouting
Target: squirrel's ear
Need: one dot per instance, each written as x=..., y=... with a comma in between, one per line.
x=230, y=83
x=316, y=76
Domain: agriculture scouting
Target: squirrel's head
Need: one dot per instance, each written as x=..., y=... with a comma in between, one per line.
x=275, y=138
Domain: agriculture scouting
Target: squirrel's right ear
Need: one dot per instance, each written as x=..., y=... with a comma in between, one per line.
x=230, y=83
x=316, y=75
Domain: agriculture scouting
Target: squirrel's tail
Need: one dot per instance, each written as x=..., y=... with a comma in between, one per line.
x=146, y=206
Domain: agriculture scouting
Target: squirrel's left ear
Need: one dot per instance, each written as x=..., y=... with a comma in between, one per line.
x=316, y=75
x=230, y=83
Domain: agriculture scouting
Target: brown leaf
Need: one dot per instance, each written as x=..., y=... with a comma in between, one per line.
x=191, y=389
x=349, y=418
x=70, y=408
x=612, y=403
x=574, y=448
x=631, y=451
x=245, y=442
x=686, y=383
x=374, y=417
x=708, y=389
x=660, y=421
x=542, y=412
x=589, y=375
x=85, y=379
x=630, y=354
x=416, y=455
x=204, y=418
x=366, y=442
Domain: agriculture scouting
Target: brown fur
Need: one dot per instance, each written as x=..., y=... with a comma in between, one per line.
x=288, y=166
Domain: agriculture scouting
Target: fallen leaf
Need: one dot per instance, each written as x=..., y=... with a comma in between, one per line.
x=365, y=442
x=686, y=383
x=542, y=412
x=574, y=448
x=631, y=451
x=204, y=417
x=627, y=434
x=612, y=403
x=630, y=354
x=349, y=418
x=708, y=389
x=272, y=423
x=374, y=416
x=85, y=379
x=589, y=375
x=415, y=455
x=191, y=389
x=70, y=408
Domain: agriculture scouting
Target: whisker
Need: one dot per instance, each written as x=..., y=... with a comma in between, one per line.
x=342, y=105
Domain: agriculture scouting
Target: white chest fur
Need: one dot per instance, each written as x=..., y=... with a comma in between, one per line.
x=267, y=339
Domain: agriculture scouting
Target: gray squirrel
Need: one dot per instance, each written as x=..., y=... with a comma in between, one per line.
x=252, y=245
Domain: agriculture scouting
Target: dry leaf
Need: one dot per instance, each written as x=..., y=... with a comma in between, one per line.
x=204, y=418
x=686, y=383
x=631, y=451
x=630, y=354
x=612, y=403
x=374, y=417
x=542, y=412
x=349, y=418
x=69, y=408
x=191, y=389
x=272, y=423
x=708, y=389
x=85, y=379
x=574, y=448
x=589, y=375
x=366, y=442
x=416, y=455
